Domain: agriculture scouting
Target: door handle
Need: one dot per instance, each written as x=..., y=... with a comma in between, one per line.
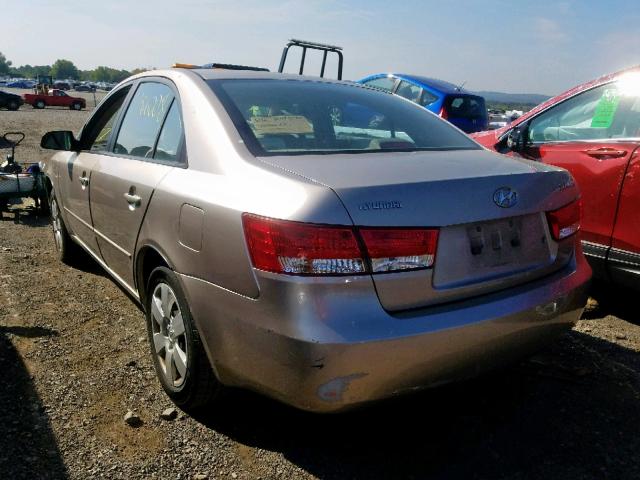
x=84, y=181
x=133, y=200
x=605, y=152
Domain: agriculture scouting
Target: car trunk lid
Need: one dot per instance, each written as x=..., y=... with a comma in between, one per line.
x=453, y=191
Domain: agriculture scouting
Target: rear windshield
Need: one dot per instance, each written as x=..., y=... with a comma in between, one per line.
x=466, y=106
x=293, y=117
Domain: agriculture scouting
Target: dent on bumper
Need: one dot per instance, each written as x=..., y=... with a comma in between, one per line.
x=320, y=349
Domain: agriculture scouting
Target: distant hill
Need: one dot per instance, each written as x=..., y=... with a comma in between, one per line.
x=513, y=98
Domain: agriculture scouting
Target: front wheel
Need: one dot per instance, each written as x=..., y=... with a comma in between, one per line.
x=178, y=355
x=68, y=251
x=76, y=106
x=13, y=105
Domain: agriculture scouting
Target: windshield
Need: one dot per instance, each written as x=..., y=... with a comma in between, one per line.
x=293, y=117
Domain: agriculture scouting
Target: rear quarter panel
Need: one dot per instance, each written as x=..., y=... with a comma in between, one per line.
x=222, y=181
x=195, y=220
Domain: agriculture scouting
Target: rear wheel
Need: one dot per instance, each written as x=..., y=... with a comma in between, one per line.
x=40, y=104
x=13, y=105
x=179, y=358
x=68, y=251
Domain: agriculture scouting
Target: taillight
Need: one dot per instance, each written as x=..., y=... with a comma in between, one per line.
x=282, y=246
x=298, y=248
x=565, y=221
x=392, y=249
x=444, y=113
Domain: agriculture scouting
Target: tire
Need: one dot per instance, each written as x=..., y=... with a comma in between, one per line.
x=76, y=106
x=178, y=356
x=40, y=104
x=68, y=251
x=13, y=105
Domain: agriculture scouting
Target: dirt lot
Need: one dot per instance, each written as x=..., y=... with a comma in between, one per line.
x=75, y=360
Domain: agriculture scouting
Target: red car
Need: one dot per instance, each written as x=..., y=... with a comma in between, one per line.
x=56, y=98
x=593, y=131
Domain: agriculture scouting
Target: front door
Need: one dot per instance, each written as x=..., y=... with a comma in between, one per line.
x=623, y=260
x=74, y=191
x=123, y=182
x=75, y=178
x=588, y=135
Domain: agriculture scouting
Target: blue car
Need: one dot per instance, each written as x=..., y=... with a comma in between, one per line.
x=20, y=84
x=460, y=107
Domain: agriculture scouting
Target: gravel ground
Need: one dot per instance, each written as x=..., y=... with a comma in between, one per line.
x=74, y=352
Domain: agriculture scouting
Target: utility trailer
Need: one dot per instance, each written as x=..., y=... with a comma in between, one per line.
x=17, y=181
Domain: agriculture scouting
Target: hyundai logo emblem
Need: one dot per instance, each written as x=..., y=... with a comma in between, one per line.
x=505, y=197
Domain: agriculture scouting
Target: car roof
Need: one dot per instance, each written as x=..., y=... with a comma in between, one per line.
x=223, y=74
x=442, y=85
x=434, y=83
x=219, y=73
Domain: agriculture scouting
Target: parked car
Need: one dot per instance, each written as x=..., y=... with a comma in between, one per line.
x=10, y=101
x=62, y=85
x=465, y=110
x=21, y=84
x=277, y=246
x=85, y=88
x=592, y=130
x=56, y=98
x=498, y=121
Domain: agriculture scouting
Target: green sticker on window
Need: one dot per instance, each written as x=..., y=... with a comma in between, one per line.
x=606, y=109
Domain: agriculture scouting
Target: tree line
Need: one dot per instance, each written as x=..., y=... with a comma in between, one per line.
x=64, y=69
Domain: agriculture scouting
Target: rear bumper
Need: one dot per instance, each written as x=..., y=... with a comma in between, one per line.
x=327, y=345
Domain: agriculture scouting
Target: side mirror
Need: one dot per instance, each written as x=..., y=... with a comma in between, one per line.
x=59, y=140
x=517, y=138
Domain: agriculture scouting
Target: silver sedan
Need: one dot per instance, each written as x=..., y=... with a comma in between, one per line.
x=318, y=241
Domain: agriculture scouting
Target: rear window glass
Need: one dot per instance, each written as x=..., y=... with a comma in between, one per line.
x=291, y=117
x=466, y=106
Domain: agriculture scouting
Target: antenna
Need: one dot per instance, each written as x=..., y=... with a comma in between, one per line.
x=461, y=85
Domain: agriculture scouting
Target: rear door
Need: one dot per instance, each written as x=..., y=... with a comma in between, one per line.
x=75, y=177
x=590, y=136
x=149, y=143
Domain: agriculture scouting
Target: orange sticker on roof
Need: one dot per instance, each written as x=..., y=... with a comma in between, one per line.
x=281, y=124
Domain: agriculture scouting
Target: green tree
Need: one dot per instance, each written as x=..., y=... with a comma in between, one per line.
x=108, y=74
x=64, y=69
x=4, y=64
x=29, y=71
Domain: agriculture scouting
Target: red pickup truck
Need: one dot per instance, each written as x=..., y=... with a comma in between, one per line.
x=592, y=130
x=56, y=98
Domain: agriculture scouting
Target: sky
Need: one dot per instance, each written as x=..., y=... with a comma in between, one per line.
x=538, y=46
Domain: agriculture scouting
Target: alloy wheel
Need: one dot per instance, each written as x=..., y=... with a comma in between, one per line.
x=168, y=333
